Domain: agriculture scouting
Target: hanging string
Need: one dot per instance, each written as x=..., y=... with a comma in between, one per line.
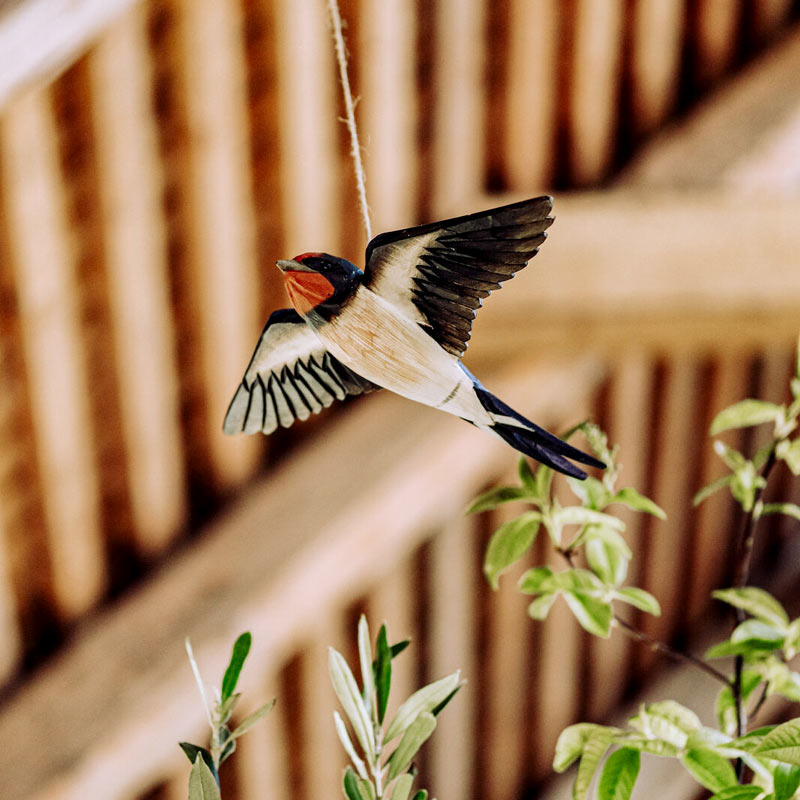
x=355, y=149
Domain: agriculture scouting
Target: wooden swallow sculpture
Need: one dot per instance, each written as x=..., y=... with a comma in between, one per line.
x=402, y=324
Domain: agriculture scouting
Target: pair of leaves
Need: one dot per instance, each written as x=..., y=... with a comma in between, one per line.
x=359, y=789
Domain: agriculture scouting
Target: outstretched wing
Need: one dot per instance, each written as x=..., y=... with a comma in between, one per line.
x=290, y=376
x=440, y=273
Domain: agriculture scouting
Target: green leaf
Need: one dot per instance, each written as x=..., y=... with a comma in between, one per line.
x=638, y=502
x=422, y=701
x=577, y=515
x=738, y=793
x=668, y=721
x=415, y=735
x=725, y=706
x=751, y=741
x=756, y=602
x=193, y=750
x=593, y=614
x=251, y=719
x=593, y=751
x=240, y=650
x=509, y=543
x=790, y=453
x=496, y=497
x=745, y=414
x=202, y=784
x=350, y=782
x=366, y=790
x=398, y=648
x=344, y=738
x=712, y=488
x=603, y=533
x=591, y=492
x=540, y=607
x=344, y=684
x=543, y=479
x=382, y=673
x=531, y=580
x=782, y=743
x=709, y=769
x=786, y=780
x=572, y=742
x=422, y=794
x=606, y=561
x=656, y=747
x=526, y=478
x=790, y=509
x=639, y=598
x=365, y=661
x=402, y=789
x=733, y=459
x=619, y=775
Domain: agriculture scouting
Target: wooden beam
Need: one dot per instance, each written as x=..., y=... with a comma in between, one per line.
x=753, y=119
x=39, y=39
x=268, y=566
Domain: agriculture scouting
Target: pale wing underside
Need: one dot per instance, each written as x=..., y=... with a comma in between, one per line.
x=290, y=376
x=438, y=274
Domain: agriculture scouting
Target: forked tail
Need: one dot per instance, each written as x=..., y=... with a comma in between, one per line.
x=533, y=441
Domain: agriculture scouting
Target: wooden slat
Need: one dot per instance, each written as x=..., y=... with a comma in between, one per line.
x=532, y=84
x=10, y=642
x=247, y=573
x=136, y=264
x=43, y=261
x=41, y=38
x=655, y=61
x=308, y=118
x=388, y=115
x=716, y=28
x=595, y=64
x=220, y=222
x=769, y=16
x=458, y=145
x=454, y=560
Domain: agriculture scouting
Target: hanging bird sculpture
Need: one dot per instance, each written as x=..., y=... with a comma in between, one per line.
x=402, y=324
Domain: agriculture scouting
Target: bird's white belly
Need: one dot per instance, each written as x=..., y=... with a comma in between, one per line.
x=392, y=351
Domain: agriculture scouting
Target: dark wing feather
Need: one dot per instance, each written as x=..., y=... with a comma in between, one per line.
x=290, y=376
x=438, y=274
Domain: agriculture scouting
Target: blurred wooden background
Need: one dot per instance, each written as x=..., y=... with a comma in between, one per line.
x=157, y=157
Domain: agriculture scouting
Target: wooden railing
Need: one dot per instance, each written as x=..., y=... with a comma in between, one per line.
x=145, y=193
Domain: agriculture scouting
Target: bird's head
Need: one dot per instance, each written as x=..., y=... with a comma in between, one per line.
x=319, y=282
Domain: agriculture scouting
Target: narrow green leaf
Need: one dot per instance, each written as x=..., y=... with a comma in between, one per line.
x=790, y=509
x=496, y=497
x=572, y=741
x=756, y=602
x=382, y=669
x=640, y=599
x=782, y=743
x=786, y=780
x=738, y=793
x=350, y=784
x=543, y=479
x=591, y=492
x=398, y=648
x=344, y=738
x=667, y=720
x=252, y=718
x=656, y=747
x=638, y=502
x=619, y=775
x=193, y=750
x=439, y=708
x=402, y=789
x=508, y=544
x=344, y=684
x=415, y=735
x=733, y=459
x=365, y=661
x=725, y=706
x=756, y=631
x=366, y=790
x=423, y=700
x=202, y=784
x=240, y=650
x=709, y=769
x=744, y=414
x=422, y=794
x=593, y=614
x=711, y=488
x=577, y=515
x=751, y=741
x=526, y=478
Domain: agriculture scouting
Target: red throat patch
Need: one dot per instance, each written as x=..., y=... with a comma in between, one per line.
x=307, y=289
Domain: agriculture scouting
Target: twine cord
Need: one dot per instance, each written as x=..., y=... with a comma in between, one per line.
x=350, y=120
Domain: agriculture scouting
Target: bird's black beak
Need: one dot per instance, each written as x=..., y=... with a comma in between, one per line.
x=293, y=266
